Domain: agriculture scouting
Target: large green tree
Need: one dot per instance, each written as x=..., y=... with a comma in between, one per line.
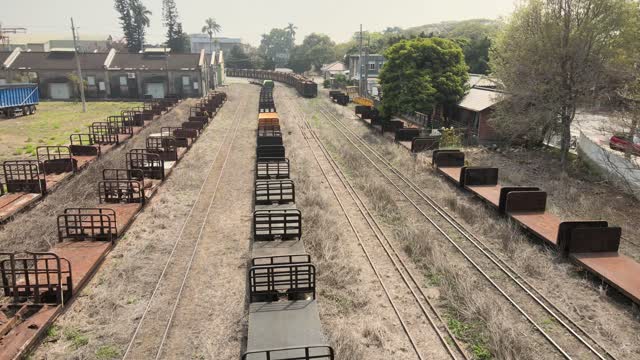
x=238, y=59
x=551, y=57
x=428, y=75
x=315, y=51
x=176, y=38
x=126, y=21
x=276, y=46
x=140, y=15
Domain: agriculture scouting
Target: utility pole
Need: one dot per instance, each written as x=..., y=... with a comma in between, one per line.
x=75, y=50
x=5, y=40
x=360, y=88
x=366, y=68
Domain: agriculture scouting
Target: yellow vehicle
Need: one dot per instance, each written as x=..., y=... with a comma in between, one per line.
x=268, y=118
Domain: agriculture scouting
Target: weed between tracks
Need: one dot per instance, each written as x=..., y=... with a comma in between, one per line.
x=323, y=242
x=474, y=317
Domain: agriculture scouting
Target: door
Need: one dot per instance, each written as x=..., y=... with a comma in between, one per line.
x=59, y=91
x=156, y=90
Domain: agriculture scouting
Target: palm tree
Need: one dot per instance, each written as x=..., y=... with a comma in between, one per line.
x=140, y=19
x=211, y=27
x=291, y=29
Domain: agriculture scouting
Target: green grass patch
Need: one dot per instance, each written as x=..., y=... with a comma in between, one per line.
x=52, y=125
x=53, y=331
x=107, y=352
x=470, y=333
x=76, y=338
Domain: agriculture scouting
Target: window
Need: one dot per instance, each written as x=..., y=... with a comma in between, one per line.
x=91, y=80
x=186, y=80
x=372, y=66
x=123, y=81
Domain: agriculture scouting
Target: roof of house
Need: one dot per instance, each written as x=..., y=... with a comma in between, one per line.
x=38, y=60
x=334, y=66
x=3, y=56
x=478, y=80
x=126, y=61
x=479, y=99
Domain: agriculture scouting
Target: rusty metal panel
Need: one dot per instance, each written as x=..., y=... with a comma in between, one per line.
x=407, y=134
x=295, y=281
x=448, y=158
x=426, y=143
x=593, y=240
x=56, y=159
x=24, y=176
x=282, y=224
x=87, y=224
x=507, y=189
x=526, y=201
x=472, y=175
x=565, y=231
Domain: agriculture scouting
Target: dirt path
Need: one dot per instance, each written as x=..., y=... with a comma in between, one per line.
x=100, y=324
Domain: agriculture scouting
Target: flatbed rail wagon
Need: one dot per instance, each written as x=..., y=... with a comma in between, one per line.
x=18, y=99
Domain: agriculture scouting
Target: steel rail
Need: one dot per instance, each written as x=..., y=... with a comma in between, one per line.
x=475, y=241
x=377, y=230
x=367, y=255
x=176, y=243
x=195, y=247
x=467, y=257
x=486, y=250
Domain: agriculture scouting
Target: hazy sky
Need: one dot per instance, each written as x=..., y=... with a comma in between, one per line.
x=245, y=19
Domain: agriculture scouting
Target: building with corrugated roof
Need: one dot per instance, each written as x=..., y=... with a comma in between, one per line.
x=154, y=73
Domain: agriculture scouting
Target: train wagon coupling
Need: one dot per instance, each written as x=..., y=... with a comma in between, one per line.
x=18, y=99
x=592, y=244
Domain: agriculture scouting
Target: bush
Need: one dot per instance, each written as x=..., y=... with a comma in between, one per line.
x=326, y=84
x=450, y=138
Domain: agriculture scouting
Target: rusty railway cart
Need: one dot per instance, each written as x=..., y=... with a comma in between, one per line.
x=84, y=224
x=194, y=125
x=85, y=144
x=24, y=176
x=267, y=192
x=591, y=244
x=304, y=86
x=56, y=159
x=270, y=152
x=284, y=322
x=35, y=285
x=147, y=113
x=165, y=147
x=134, y=117
x=121, y=123
x=196, y=111
x=277, y=224
x=33, y=278
x=105, y=132
x=184, y=137
x=121, y=191
x=270, y=168
x=151, y=165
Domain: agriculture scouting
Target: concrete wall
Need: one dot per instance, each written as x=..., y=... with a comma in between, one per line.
x=625, y=173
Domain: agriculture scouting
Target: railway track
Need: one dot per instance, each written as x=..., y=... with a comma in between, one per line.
x=563, y=335
x=419, y=318
x=152, y=329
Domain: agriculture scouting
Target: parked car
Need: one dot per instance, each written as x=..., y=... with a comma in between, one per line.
x=625, y=142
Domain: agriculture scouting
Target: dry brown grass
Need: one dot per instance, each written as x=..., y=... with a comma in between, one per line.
x=36, y=229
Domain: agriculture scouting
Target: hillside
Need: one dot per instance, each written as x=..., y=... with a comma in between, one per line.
x=466, y=28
